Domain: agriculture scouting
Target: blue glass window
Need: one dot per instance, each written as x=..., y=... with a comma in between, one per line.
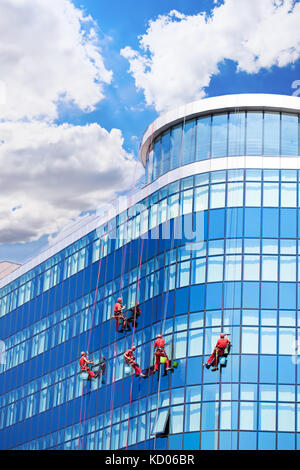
x=156, y=159
x=254, y=133
x=236, y=137
x=289, y=134
x=251, y=267
x=286, y=417
x=217, y=196
x=215, y=269
x=192, y=417
x=165, y=153
x=160, y=421
x=191, y=441
x=188, y=150
x=268, y=341
x=176, y=143
x=270, y=194
x=271, y=134
x=219, y=135
x=248, y=415
x=252, y=222
x=249, y=340
x=203, y=138
x=267, y=417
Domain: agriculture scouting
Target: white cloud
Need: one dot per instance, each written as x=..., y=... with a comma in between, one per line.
x=50, y=173
x=179, y=54
x=49, y=54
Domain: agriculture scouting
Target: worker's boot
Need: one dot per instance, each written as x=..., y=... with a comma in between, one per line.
x=214, y=368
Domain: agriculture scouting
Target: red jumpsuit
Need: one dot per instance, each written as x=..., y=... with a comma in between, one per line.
x=159, y=345
x=85, y=368
x=218, y=351
x=118, y=313
x=130, y=360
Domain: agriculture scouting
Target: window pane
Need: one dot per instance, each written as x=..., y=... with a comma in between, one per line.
x=215, y=269
x=251, y=268
x=233, y=268
x=286, y=417
x=186, y=201
x=173, y=206
x=271, y=133
x=156, y=159
x=288, y=194
x=183, y=274
x=288, y=268
x=235, y=195
x=249, y=340
x=289, y=134
x=269, y=268
x=160, y=422
x=236, y=143
x=198, y=271
x=188, y=150
x=254, y=134
x=176, y=138
x=248, y=415
x=217, y=196
x=203, y=138
x=195, y=342
x=253, y=194
x=286, y=341
x=165, y=153
x=267, y=417
x=201, y=199
x=219, y=135
x=192, y=417
x=268, y=343
x=271, y=194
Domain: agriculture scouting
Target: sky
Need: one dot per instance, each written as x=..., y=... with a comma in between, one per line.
x=80, y=81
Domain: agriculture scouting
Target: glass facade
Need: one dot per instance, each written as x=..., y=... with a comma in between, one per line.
x=217, y=251
x=220, y=135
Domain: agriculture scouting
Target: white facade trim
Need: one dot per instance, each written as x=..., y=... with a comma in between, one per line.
x=214, y=164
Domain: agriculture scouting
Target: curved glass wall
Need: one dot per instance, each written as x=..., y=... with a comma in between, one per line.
x=232, y=265
x=222, y=135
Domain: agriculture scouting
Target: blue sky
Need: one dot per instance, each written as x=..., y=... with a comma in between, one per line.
x=77, y=107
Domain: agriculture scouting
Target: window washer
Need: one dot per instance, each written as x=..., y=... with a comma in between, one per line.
x=130, y=360
x=84, y=365
x=223, y=344
x=135, y=313
x=159, y=351
x=118, y=312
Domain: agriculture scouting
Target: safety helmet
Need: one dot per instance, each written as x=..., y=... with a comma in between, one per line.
x=159, y=336
x=133, y=348
x=222, y=335
x=82, y=353
x=103, y=358
x=120, y=300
